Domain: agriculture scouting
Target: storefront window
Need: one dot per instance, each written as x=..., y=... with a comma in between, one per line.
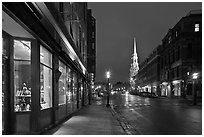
x=45, y=78
x=80, y=89
x=176, y=88
x=62, y=83
x=74, y=90
x=69, y=82
x=22, y=75
x=74, y=85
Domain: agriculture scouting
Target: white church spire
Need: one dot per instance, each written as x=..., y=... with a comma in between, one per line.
x=134, y=66
x=135, y=44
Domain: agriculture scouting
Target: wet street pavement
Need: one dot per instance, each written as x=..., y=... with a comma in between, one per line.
x=157, y=116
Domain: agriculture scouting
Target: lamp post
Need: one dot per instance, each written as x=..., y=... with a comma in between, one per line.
x=108, y=94
x=195, y=77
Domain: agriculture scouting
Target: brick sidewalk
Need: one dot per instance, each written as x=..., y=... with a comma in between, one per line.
x=95, y=119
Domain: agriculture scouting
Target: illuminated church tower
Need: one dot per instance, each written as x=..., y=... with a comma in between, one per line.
x=134, y=66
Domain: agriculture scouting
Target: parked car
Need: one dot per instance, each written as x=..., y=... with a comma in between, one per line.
x=148, y=94
x=153, y=95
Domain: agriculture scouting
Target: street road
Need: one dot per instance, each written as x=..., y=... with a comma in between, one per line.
x=158, y=116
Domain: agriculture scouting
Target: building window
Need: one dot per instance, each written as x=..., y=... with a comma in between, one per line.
x=61, y=8
x=172, y=72
x=22, y=75
x=80, y=88
x=177, y=69
x=62, y=83
x=189, y=51
x=176, y=33
x=93, y=46
x=83, y=35
x=45, y=78
x=74, y=90
x=196, y=27
x=93, y=22
x=169, y=39
x=164, y=60
x=173, y=55
x=93, y=34
x=176, y=55
x=69, y=86
x=178, y=52
x=169, y=59
x=168, y=75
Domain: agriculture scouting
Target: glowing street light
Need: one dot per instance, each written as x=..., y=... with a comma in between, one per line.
x=108, y=77
x=195, y=77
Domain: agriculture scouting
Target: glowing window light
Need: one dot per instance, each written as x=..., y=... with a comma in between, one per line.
x=196, y=27
x=195, y=75
x=108, y=74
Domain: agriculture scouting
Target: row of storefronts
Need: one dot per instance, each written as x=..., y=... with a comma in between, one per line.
x=169, y=69
x=44, y=79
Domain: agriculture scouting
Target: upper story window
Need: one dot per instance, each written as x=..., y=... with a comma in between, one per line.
x=93, y=46
x=169, y=39
x=93, y=34
x=93, y=22
x=61, y=9
x=176, y=33
x=83, y=35
x=196, y=27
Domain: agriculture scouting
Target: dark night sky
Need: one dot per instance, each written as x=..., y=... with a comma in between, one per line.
x=119, y=22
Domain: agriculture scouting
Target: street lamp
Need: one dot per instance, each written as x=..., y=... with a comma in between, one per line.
x=108, y=77
x=195, y=77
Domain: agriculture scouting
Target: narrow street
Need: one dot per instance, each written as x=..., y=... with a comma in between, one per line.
x=161, y=116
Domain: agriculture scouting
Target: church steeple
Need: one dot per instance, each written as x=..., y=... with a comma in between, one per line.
x=135, y=44
x=134, y=66
x=135, y=57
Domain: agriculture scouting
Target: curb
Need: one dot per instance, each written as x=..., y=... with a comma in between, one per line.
x=128, y=129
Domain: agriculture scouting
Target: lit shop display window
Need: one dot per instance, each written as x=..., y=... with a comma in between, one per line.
x=63, y=87
x=69, y=82
x=64, y=84
x=22, y=75
x=74, y=86
x=45, y=78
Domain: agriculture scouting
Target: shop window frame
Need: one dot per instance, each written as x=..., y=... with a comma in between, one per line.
x=52, y=84
x=13, y=60
x=64, y=103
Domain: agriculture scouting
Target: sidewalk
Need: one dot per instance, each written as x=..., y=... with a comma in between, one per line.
x=95, y=119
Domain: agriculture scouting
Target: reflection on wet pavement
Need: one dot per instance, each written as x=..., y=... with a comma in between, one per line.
x=158, y=116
